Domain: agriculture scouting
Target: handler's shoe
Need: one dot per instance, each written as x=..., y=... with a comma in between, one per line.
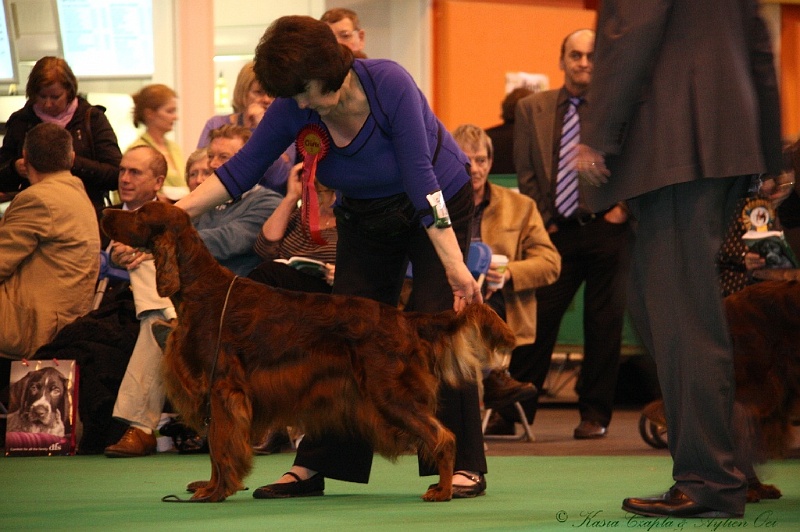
x=135, y=442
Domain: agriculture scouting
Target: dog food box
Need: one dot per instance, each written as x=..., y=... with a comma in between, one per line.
x=42, y=408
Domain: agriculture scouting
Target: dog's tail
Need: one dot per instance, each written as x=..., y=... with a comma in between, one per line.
x=465, y=342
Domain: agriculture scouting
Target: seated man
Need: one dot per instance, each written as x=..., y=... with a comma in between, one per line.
x=230, y=230
x=510, y=224
x=49, y=247
x=140, y=399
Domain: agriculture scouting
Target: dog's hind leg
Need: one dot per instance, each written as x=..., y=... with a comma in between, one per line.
x=439, y=447
x=228, y=443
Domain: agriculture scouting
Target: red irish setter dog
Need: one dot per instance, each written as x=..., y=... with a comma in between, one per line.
x=253, y=357
x=764, y=322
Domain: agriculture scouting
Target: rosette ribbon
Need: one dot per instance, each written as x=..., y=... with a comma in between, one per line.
x=313, y=144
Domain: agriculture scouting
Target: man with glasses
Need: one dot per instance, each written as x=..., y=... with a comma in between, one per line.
x=344, y=23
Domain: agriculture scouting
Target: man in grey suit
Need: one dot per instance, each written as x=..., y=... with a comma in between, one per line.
x=594, y=247
x=683, y=111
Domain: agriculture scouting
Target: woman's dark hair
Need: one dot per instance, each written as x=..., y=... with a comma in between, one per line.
x=49, y=70
x=295, y=50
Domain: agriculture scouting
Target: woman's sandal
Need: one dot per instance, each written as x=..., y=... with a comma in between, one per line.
x=468, y=492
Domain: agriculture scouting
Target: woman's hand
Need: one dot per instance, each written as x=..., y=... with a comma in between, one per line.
x=330, y=271
x=465, y=287
x=754, y=261
x=294, y=183
x=777, y=189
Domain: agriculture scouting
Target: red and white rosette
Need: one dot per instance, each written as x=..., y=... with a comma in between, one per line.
x=313, y=144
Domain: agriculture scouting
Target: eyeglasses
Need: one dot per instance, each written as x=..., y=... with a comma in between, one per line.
x=347, y=35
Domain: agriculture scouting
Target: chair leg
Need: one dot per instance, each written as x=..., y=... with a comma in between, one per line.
x=527, y=431
x=525, y=435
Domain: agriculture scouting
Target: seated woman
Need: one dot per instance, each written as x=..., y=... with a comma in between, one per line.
x=283, y=237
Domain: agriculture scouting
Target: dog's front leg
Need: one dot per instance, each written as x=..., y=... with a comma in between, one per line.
x=228, y=443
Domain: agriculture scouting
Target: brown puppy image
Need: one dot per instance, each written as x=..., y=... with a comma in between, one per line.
x=252, y=358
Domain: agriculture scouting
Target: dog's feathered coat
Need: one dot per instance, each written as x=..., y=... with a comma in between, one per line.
x=320, y=362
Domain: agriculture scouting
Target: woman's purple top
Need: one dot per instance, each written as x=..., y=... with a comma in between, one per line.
x=392, y=153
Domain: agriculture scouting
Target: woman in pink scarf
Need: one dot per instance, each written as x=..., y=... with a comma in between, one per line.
x=52, y=93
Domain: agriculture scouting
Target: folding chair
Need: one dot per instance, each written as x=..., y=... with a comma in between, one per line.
x=479, y=259
x=107, y=273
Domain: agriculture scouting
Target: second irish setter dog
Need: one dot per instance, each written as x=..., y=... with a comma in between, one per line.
x=251, y=357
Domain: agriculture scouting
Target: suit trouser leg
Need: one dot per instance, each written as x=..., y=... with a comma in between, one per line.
x=677, y=307
x=607, y=252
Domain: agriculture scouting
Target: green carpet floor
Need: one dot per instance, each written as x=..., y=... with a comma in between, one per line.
x=525, y=493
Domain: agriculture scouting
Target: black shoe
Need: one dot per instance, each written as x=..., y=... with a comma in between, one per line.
x=499, y=426
x=500, y=390
x=468, y=492
x=673, y=503
x=590, y=430
x=310, y=487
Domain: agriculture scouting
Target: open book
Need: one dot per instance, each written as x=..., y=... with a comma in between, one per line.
x=306, y=265
x=772, y=246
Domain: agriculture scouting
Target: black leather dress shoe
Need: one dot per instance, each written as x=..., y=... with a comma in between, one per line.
x=589, y=430
x=310, y=487
x=673, y=503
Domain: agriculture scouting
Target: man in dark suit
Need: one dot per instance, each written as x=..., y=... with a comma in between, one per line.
x=683, y=111
x=594, y=248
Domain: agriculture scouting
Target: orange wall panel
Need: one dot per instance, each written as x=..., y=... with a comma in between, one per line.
x=790, y=70
x=477, y=42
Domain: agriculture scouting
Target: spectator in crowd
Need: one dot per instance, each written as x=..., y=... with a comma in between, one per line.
x=249, y=104
x=502, y=135
x=49, y=246
x=140, y=399
x=284, y=236
x=156, y=107
x=52, y=93
x=510, y=224
x=345, y=25
x=230, y=230
x=594, y=247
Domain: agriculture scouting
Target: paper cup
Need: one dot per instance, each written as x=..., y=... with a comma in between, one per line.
x=500, y=262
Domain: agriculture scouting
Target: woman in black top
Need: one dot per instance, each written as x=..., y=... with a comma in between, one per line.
x=52, y=93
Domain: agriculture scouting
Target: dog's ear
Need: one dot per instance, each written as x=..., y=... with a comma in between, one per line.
x=167, y=279
x=64, y=403
x=17, y=393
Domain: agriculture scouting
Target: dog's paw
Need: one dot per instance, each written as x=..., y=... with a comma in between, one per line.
x=209, y=493
x=437, y=494
x=757, y=491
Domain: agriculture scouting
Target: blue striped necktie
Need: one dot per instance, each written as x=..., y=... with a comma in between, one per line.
x=567, y=179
